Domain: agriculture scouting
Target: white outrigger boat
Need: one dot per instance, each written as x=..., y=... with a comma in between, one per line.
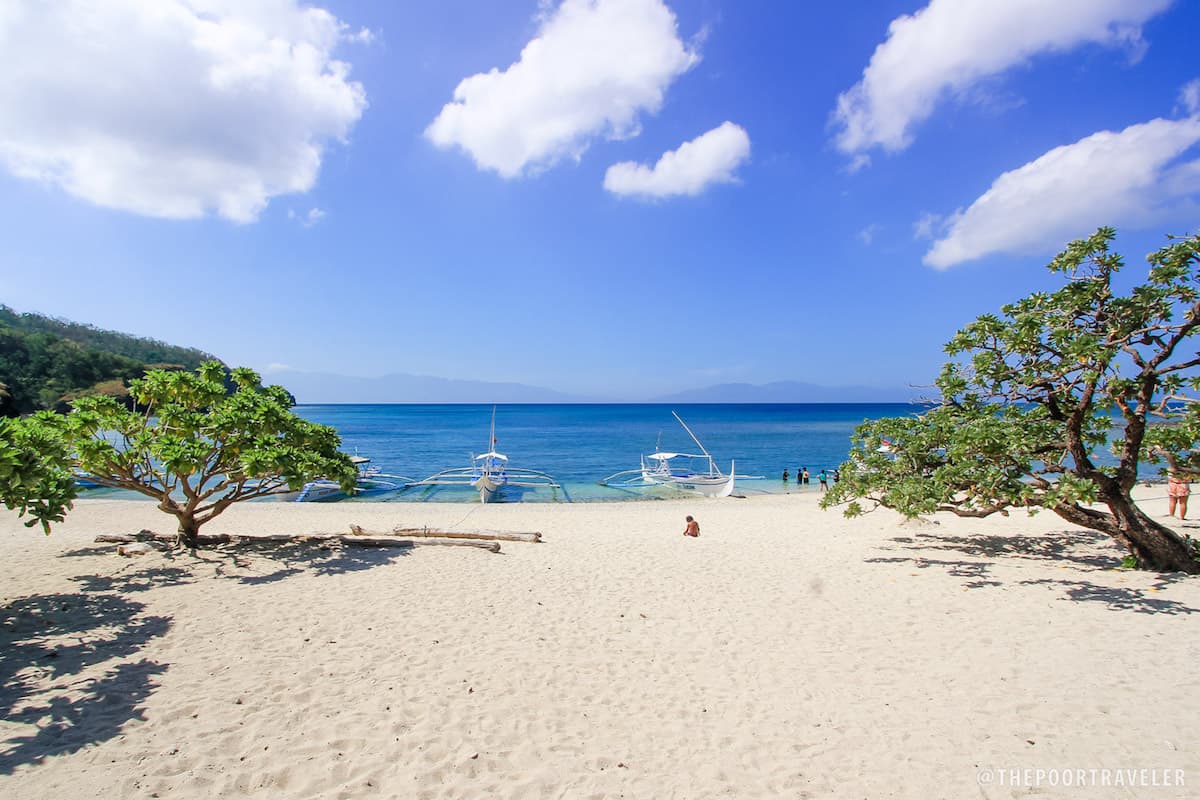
x=489, y=474
x=701, y=475
x=370, y=481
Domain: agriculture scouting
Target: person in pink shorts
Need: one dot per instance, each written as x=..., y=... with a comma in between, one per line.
x=1178, y=490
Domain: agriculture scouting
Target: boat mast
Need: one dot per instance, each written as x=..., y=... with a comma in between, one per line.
x=492, y=435
x=694, y=439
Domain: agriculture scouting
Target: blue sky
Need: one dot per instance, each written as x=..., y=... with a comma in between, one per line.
x=618, y=198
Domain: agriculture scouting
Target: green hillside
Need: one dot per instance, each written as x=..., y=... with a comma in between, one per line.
x=44, y=362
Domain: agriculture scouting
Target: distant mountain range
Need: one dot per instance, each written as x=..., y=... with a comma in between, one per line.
x=789, y=392
x=45, y=362
x=314, y=387
x=318, y=387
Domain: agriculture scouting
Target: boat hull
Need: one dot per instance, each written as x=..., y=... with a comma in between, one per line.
x=488, y=489
x=325, y=490
x=707, y=485
x=718, y=487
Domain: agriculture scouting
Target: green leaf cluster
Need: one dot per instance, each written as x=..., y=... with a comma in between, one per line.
x=35, y=470
x=1030, y=394
x=191, y=445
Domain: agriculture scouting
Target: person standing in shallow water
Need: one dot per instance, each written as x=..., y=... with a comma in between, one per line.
x=785, y=476
x=693, y=527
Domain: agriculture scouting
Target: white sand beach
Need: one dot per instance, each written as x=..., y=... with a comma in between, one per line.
x=786, y=652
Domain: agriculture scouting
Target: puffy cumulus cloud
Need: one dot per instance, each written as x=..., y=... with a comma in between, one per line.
x=173, y=108
x=950, y=45
x=593, y=67
x=1138, y=177
x=710, y=158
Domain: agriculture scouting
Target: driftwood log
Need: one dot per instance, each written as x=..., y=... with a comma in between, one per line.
x=140, y=536
x=352, y=540
x=391, y=541
x=487, y=536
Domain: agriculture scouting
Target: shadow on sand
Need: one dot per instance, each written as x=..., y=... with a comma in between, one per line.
x=69, y=672
x=247, y=562
x=1076, y=548
x=47, y=643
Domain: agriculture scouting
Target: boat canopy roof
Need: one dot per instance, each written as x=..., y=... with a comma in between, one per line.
x=492, y=454
x=669, y=456
x=359, y=460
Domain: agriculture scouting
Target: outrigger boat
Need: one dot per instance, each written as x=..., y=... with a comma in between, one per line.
x=489, y=474
x=370, y=481
x=701, y=475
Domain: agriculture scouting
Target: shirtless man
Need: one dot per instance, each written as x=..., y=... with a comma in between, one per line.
x=693, y=527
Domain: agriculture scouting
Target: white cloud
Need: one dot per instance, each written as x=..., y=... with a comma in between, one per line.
x=593, y=67
x=173, y=108
x=1133, y=178
x=949, y=46
x=925, y=226
x=867, y=234
x=362, y=36
x=710, y=158
x=309, y=219
x=1189, y=96
x=859, y=162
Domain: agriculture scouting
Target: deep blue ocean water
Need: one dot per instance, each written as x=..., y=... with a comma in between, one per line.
x=582, y=444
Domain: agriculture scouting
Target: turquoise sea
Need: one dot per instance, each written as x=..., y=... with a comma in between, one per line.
x=580, y=444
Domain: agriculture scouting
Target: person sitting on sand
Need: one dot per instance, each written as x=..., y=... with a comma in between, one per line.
x=1178, y=490
x=693, y=527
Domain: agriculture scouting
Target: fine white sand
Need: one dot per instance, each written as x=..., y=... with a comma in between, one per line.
x=787, y=652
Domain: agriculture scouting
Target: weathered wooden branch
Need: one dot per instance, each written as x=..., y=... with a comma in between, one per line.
x=385, y=541
x=353, y=540
x=140, y=536
x=490, y=536
x=486, y=535
x=116, y=538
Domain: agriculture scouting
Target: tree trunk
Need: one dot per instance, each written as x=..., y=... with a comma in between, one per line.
x=189, y=531
x=1157, y=547
x=1153, y=546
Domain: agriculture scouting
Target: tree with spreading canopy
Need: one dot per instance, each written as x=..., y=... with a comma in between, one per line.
x=1029, y=396
x=191, y=445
